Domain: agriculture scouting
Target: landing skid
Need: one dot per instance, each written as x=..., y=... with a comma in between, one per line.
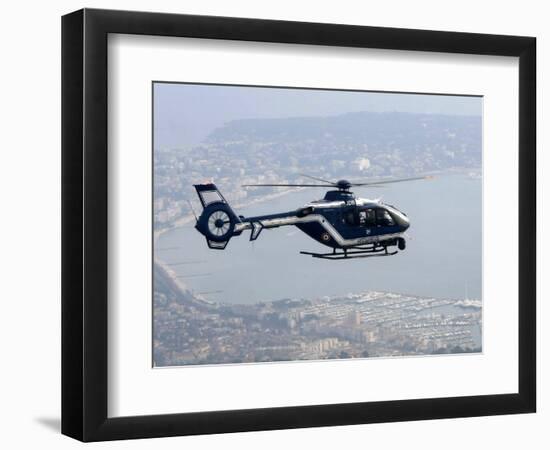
x=355, y=252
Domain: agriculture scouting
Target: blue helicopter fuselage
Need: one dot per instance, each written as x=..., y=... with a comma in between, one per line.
x=339, y=220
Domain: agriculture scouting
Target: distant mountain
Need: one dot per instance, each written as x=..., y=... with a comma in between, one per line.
x=406, y=140
x=364, y=126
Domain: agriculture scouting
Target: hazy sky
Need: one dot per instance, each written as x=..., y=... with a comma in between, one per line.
x=184, y=114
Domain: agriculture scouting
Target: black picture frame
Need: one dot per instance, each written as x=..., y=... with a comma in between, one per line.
x=84, y=224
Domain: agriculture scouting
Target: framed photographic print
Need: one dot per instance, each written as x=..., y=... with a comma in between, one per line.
x=273, y=224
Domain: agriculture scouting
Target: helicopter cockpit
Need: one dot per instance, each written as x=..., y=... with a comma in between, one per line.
x=368, y=216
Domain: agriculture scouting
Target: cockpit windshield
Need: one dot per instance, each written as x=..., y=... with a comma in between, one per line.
x=383, y=218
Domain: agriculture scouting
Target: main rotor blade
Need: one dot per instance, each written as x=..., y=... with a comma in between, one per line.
x=396, y=180
x=289, y=185
x=318, y=179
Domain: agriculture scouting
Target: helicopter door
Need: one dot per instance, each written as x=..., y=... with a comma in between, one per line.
x=367, y=217
x=350, y=216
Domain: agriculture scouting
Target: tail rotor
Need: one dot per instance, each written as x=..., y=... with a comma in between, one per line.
x=217, y=220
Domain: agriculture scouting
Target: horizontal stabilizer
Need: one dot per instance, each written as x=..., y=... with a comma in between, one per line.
x=257, y=228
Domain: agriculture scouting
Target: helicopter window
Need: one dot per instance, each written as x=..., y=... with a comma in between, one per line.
x=349, y=217
x=383, y=218
x=367, y=217
x=360, y=217
x=370, y=218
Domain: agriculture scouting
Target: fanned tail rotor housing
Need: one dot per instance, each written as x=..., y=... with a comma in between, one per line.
x=219, y=223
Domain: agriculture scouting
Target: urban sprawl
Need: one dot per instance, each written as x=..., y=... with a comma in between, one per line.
x=191, y=330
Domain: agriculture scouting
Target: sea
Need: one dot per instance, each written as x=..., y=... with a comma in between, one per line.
x=443, y=258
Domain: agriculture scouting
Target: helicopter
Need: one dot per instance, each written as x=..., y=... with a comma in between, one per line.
x=353, y=227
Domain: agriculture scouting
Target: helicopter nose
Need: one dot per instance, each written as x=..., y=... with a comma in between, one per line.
x=400, y=218
x=403, y=221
